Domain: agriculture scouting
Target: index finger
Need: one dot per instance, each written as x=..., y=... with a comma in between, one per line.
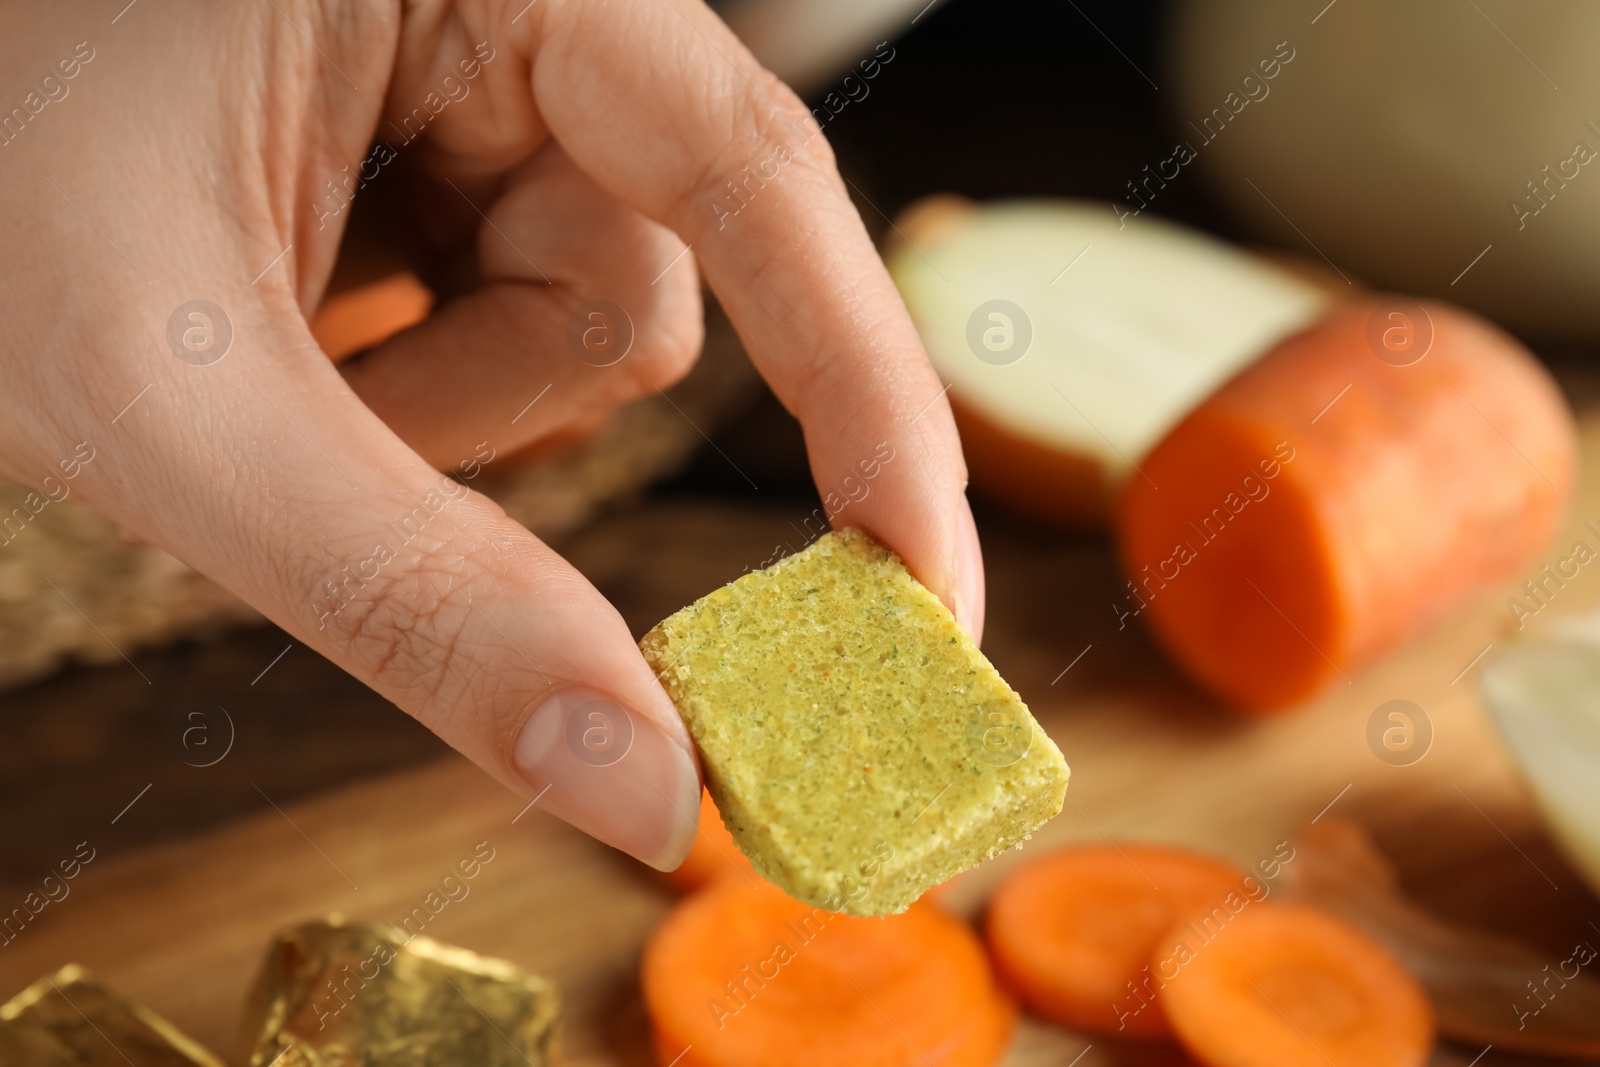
x=662, y=105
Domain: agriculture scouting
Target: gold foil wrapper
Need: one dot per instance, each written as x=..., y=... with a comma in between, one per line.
x=68, y=1019
x=333, y=994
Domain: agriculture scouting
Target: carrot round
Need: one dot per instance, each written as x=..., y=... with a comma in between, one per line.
x=713, y=854
x=1073, y=932
x=741, y=974
x=370, y=314
x=1327, y=503
x=1290, y=986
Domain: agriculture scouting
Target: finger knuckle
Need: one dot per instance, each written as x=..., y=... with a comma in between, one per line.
x=771, y=135
x=400, y=625
x=673, y=341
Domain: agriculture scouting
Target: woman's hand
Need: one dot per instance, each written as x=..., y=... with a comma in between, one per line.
x=172, y=188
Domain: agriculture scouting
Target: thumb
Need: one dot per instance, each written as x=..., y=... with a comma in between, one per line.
x=304, y=503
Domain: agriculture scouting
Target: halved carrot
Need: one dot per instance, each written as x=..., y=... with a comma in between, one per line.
x=370, y=314
x=1073, y=932
x=1336, y=496
x=1285, y=985
x=741, y=974
x=713, y=854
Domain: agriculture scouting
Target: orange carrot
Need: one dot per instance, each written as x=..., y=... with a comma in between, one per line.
x=950, y=893
x=1327, y=503
x=713, y=854
x=1073, y=932
x=1290, y=986
x=741, y=974
x=370, y=314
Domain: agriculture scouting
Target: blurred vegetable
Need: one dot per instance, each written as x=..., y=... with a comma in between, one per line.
x=1074, y=932
x=1544, y=696
x=366, y=316
x=741, y=974
x=1476, y=981
x=1074, y=341
x=1290, y=986
x=1340, y=494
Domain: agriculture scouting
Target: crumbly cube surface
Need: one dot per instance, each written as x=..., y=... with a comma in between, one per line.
x=860, y=748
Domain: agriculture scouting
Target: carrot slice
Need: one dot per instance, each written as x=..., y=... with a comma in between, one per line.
x=1285, y=985
x=1073, y=932
x=370, y=314
x=1335, y=497
x=741, y=974
x=713, y=854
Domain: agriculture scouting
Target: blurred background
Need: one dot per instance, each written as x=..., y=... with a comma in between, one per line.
x=1400, y=141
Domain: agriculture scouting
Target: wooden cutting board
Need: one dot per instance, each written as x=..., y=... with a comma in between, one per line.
x=182, y=927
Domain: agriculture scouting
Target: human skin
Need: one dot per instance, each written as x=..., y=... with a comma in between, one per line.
x=195, y=146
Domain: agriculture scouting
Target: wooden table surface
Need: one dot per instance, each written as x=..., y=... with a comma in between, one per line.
x=181, y=926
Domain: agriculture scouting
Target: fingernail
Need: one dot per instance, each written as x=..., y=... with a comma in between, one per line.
x=969, y=573
x=612, y=773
